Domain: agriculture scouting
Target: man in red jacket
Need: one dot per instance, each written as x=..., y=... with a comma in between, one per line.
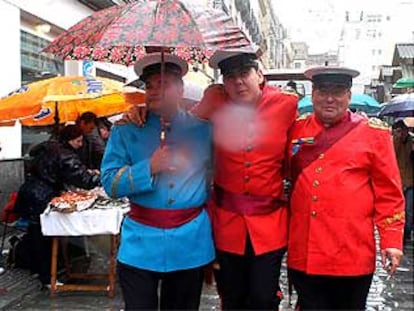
x=250, y=127
x=345, y=180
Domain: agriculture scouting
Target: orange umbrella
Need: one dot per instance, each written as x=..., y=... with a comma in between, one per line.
x=63, y=99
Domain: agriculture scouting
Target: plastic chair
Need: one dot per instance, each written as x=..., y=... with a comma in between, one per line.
x=10, y=218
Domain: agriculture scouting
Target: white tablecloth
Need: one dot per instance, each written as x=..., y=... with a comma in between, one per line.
x=87, y=222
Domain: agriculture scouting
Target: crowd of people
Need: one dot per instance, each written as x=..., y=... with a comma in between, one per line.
x=206, y=188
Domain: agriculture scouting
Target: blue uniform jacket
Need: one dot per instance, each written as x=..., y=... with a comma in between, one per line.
x=126, y=172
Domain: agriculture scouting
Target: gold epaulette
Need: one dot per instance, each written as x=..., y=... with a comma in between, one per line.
x=122, y=122
x=289, y=92
x=304, y=116
x=378, y=124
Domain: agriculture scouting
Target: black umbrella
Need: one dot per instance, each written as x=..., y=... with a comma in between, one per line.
x=400, y=106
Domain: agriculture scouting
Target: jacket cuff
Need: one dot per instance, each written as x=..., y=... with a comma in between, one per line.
x=391, y=239
x=140, y=176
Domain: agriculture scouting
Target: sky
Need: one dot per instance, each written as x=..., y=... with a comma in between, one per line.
x=319, y=22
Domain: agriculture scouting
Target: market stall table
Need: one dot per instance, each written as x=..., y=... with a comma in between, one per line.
x=89, y=222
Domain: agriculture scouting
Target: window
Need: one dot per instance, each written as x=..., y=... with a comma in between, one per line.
x=371, y=33
x=33, y=60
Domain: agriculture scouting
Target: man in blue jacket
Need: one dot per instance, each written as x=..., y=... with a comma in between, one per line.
x=162, y=169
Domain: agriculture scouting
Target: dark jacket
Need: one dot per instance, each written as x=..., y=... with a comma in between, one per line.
x=54, y=165
x=92, y=151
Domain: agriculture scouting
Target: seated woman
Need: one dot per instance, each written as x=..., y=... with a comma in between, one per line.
x=55, y=165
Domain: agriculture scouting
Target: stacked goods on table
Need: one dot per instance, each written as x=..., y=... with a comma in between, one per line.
x=72, y=201
x=79, y=200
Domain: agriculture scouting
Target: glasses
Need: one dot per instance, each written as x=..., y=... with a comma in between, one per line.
x=334, y=91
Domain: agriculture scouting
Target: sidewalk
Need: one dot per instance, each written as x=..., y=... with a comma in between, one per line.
x=19, y=291
x=14, y=283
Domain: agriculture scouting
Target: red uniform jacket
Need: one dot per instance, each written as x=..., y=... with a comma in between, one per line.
x=249, y=151
x=337, y=199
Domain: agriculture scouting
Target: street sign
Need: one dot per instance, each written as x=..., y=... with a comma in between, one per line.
x=88, y=68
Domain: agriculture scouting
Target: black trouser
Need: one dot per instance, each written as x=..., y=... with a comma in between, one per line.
x=320, y=292
x=41, y=251
x=180, y=290
x=249, y=281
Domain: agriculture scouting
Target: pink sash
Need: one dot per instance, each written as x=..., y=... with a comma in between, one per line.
x=163, y=218
x=246, y=204
x=322, y=142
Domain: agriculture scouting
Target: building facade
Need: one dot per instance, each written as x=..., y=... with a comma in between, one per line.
x=402, y=66
x=274, y=37
x=261, y=25
x=368, y=38
x=30, y=26
x=300, y=53
x=323, y=59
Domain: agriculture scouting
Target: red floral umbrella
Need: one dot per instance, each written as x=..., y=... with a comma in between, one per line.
x=121, y=33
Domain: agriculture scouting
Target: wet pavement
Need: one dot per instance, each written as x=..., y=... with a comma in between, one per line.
x=20, y=291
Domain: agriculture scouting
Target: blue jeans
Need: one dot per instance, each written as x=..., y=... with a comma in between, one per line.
x=408, y=194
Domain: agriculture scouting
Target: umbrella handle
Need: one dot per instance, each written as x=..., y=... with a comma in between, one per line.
x=163, y=127
x=163, y=133
x=56, y=118
x=162, y=73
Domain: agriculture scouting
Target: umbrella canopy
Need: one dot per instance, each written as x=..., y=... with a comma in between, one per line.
x=360, y=102
x=35, y=104
x=399, y=106
x=121, y=33
x=404, y=83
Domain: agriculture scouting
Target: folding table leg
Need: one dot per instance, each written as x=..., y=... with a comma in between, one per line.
x=112, y=266
x=53, y=269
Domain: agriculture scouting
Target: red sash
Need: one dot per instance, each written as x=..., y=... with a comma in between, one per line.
x=163, y=218
x=322, y=142
x=246, y=204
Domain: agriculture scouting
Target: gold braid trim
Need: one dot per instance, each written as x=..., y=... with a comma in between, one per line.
x=394, y=218
x=122, y=122
x=378, y=124
x=117, y=178
x=131, y=182
x=304, y=116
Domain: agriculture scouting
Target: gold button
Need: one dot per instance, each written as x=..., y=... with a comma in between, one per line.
x=318, y=170
x=246, y=178
x=314, y=198
x=171, y=201
x=313, y=213
x=316, y=183
x=249, y=148
x=247, y=164
x=321, y=156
